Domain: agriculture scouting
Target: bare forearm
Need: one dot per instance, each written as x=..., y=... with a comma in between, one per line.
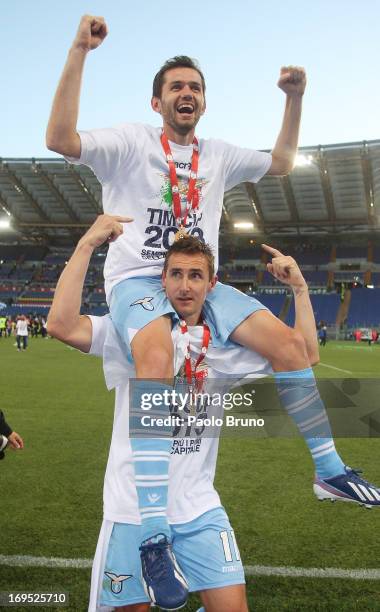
x=64, y=315
x=64, y=320
x=285, y=149
x=61, y=134
x=305, y=322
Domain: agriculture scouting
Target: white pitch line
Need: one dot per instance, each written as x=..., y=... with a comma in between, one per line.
x=29, y=561
x=313, y=572
x=326, y=365
x=250, y=570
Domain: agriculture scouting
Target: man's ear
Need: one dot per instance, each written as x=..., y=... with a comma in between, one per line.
x=163, y=279
x=156, y=104
x=204, y=107
x=212, y=284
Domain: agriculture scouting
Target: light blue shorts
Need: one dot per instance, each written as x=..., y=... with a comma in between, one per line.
x=205, y=549
x=135, y=302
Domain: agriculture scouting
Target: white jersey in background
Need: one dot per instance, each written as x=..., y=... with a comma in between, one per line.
x=193, y=460
x=22, y=328
x=130, y=164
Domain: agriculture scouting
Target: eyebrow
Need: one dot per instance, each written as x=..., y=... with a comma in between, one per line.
x=191, y=270
x=189, y=82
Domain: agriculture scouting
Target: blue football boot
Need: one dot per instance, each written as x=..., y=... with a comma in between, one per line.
x=163, y=579
x=349, y=487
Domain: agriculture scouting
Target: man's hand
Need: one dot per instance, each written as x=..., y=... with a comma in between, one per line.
x=285, y=269
x=91, y=33
x=15, y=441
x=105, y=228
x=292, y=80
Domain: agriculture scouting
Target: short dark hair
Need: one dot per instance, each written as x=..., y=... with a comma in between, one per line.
x=178, y=61
x=190, y=245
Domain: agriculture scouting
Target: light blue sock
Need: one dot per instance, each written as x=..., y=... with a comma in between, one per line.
x=299, y=395
x=151, y=457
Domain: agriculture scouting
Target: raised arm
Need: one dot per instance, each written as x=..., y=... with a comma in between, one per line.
x=293, y=82
x=286, y=270
x=61, y=134
x=65, y=321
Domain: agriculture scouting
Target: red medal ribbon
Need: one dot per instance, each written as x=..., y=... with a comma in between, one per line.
x=193, y=375
x=192, y=192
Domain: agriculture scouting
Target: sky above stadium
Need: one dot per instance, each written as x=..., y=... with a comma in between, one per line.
x=241, y=46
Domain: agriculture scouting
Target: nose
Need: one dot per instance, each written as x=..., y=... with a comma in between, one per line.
x=187, y=93
x=184, y=284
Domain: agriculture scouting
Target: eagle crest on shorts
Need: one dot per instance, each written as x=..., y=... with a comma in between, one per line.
x=145, y=302
x=117, y=581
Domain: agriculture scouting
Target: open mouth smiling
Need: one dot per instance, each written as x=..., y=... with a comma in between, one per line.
x=185, y=109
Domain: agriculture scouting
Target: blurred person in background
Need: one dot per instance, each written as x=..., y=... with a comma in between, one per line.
x=8, y=437
x=22, y=332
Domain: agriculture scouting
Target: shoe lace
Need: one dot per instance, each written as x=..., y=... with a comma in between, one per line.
x=354, y=474
x=158, y=565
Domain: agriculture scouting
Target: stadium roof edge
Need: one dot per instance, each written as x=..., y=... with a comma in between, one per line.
x=338, y=145
x=337, y=191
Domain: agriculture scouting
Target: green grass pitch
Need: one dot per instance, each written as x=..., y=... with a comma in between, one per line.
x=51, y=493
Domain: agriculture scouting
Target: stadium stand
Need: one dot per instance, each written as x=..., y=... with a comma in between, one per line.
x=325, y=307
x=272, y=301
x=364, y=308
x=351, y=252
x=315, y=278
x=322, y=214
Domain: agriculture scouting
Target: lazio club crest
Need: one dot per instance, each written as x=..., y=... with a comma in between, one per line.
x=117, y=581
x=145, y=302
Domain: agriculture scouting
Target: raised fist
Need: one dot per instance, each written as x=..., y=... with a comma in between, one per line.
x=91, y=32
x=292, y=80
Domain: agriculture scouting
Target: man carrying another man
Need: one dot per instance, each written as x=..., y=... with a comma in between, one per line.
x=172, y=184
x=194, y=508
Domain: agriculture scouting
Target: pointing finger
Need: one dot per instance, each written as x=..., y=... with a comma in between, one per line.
x=271, y=250
x=124, y=219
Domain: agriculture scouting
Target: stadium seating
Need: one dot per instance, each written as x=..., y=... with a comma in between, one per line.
x=27, y=282
x=352, y=252
x=315, y=278
x=8, y=292
x=364, y=308
x=325, y=307
x=273, y=301
x=97, y=297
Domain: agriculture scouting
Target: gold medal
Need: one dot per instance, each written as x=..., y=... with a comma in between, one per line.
x=182, y=233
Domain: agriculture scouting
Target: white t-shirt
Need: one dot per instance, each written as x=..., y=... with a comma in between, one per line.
x=22, y=328
x=130, y=164
x=193, y=461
